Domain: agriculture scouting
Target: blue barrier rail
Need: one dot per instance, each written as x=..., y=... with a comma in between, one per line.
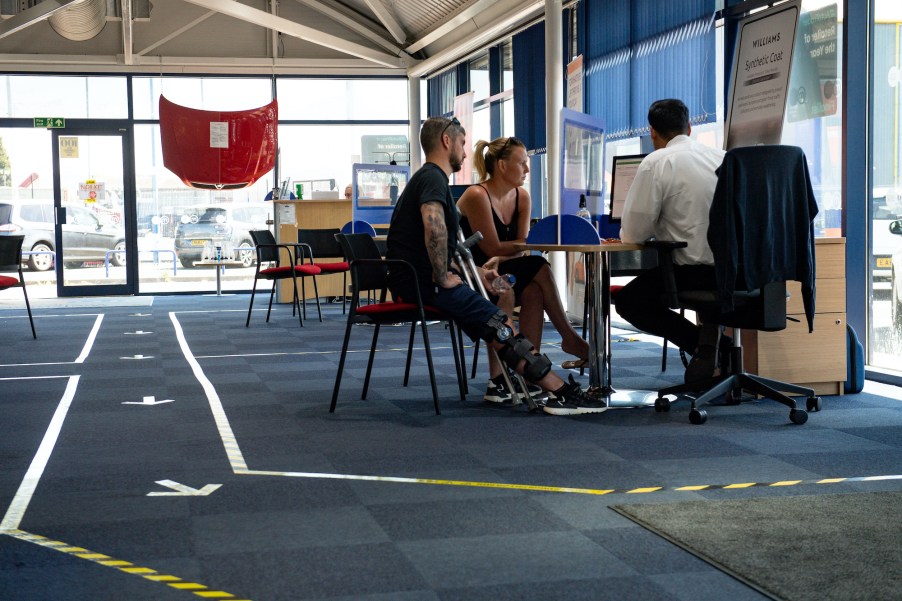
x=156, y=257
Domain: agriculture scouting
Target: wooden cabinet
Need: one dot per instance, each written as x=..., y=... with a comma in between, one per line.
x=313, y=214
x=816, y=359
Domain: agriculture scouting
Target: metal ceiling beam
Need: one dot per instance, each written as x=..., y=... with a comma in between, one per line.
x=449, y=25
x=35, y=14
x=125, y=8
x=264, y=19
x=345, y=17
x=388, y=20
x=486, y=34
x=177, y=32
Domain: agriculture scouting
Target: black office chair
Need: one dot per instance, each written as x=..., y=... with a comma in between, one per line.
x=322, y=244
x=270, y=253
x=761, y=234
x=369, y=273
x=11, y=261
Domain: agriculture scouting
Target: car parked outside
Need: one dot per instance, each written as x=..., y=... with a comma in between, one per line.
x=212, y=224
x=85, y=236
x=895, y=227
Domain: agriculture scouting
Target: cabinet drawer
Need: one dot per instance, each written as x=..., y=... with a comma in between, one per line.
x=830, y=296
x=830, y=258
x=795, y=355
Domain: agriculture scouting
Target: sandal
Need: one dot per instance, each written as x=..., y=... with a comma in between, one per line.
x=575, y=364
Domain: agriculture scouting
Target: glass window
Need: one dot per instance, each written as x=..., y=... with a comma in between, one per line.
x=507, y=65
x=66, y=96
x=885, y=323
x=326, y=152
x=479, y=77
x=342, y=99
x=209, y=94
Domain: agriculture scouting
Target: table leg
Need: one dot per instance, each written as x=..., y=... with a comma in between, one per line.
x=600, y=380
x=219, y=269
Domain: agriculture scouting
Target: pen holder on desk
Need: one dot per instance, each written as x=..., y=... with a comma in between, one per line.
x=606, y=229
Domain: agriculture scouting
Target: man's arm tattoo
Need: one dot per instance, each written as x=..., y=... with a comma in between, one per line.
x=436, y=240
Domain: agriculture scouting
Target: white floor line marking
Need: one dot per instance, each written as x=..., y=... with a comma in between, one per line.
x=236, y=459
x=89, y=343
x=29, y=484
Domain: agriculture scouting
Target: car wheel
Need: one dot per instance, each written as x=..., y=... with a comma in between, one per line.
x=118, y=259
x=41, y=262
x=247, y=254
x=186, y=263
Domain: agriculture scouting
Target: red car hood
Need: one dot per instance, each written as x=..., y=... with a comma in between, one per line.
x=218, y=149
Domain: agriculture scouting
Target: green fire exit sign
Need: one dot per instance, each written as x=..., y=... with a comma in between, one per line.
x=49, y=122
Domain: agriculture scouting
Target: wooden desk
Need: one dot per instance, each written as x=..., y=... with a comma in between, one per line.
x=315, y=214
x=599, y=268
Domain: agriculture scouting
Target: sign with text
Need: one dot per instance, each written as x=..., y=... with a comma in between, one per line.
x=575, y=84
x=813, y=86
x=760, y=76
x=54, y=122
x=68, y=146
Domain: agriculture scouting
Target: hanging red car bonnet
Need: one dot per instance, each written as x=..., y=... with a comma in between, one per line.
x=218, y=150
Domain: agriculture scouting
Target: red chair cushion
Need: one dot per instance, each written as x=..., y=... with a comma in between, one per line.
x=8, y=282
x=382, y=309
x=334, y=267
x=285, y=271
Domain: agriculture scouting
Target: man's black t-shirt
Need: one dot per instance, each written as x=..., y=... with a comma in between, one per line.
x=406, y=235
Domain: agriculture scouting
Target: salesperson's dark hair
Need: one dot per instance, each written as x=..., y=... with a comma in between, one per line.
x=669, y=117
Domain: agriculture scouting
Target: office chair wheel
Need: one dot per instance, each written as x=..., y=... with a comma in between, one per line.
x=697, y=417
x=813, y=403
x=798, y=416
x=662, y=404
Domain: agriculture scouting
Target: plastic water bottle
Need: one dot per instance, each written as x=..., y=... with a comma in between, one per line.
x=583, y=210
x=503, y=283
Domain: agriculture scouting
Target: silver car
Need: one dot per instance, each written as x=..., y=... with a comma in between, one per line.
x=85, y=236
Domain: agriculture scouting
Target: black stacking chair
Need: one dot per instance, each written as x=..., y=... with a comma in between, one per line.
x=369, y=274
x=270, y=253
x=322, y=244
x=11, y=262
x=761, y=233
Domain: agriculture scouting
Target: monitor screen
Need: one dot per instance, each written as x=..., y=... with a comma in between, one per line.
x=622, y=173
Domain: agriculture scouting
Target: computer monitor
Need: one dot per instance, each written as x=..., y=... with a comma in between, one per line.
x=623, y=171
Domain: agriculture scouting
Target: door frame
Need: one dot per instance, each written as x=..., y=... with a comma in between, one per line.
x=129, y=222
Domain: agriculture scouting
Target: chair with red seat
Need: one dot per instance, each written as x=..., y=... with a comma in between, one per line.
x=11, y=261
x=369, y=273
x=322, y=244
x=270, y=253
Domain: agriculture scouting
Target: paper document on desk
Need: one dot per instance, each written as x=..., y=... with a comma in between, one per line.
x=286, y=214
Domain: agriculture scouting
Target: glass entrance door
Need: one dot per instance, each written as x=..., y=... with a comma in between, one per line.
x=93, y=203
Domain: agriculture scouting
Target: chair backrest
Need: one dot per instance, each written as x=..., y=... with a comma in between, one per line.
x=761, y=224
x=11, y=252
x=358, y=227
x=265, y=242
x=367, y=276
x=322, y=242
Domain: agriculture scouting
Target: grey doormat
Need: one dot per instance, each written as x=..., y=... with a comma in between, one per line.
x=796, y=548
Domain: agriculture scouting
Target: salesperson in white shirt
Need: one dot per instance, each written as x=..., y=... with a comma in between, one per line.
x=669, y=200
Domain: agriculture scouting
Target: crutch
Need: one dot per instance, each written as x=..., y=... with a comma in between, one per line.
x=471, y=275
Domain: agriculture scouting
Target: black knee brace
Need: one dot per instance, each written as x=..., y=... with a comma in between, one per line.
x=519, y=348
x=497, y=329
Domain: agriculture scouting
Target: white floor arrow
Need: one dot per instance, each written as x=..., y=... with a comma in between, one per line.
x=148, y=401
x=180, y=490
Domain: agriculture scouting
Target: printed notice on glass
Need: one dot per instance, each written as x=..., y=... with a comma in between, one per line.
x=219, y=134
x=761, y=76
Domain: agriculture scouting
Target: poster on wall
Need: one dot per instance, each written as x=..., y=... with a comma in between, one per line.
x=813, y=86
x=760, y=76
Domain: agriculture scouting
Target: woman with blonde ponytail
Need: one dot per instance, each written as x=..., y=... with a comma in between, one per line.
x=499, y=207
